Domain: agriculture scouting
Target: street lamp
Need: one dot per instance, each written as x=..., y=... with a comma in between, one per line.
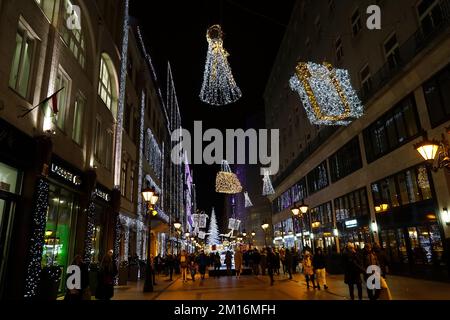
x=265, y=226
x=244, y=233
x=150, y=197
x=435, y=151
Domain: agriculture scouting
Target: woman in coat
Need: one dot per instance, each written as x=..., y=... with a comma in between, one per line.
x=106, y=275
x=238, y=262
x=308, y=270
x=352, y=271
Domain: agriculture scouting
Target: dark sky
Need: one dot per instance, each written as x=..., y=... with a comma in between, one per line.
x=175, y=31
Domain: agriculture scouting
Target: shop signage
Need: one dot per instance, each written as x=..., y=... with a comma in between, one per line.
x=351, y=223
x=66, y=174
x=102, y=195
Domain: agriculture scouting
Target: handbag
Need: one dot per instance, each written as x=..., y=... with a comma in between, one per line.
x=227, y=181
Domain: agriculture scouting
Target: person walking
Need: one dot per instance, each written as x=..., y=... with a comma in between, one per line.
x=170, y=265
x=277, y=262
x=352, y=270
x=238, y=262
x=271, y=264
x=107, y=273
x=256, y=261
x=192, y=266
x=84, y=292
x=319, y=265
x=369, y=260
x=228, y=262
x=184, y=265
x=263, y=261
x=202, y=262
x=288, y=263
x=217, y=265
x=308, y=270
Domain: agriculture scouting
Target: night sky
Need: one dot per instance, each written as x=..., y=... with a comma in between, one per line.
x=175, y=31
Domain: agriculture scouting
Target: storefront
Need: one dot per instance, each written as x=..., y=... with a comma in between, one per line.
x=65, y=190
x=356, y=231
x=409, y=228
x=103, y=209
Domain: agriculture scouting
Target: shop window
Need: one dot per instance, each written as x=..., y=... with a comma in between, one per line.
x=395, y=128
x=10, y=179
x=78, y=114
x=73, y=38
x=299, y=191
x=47, y=7
x=339, y=49
x=366, y=80
x=60, y=222
x=322, y=214
x=437, y=96
x=123, y=178
x=22, y=63
x=62, y=82
x=345, y=161
x=105, y=87
x=351, y=205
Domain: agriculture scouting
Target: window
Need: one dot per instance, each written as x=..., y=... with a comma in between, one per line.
x=123, y=178
x=108, y=149
x=105, y=89
x=339, y=49
x=318, y=178
x=323, y=214
x=345, y=161
x=299, y=190
x=356, y=23
x=21, y=67
x=47, y=7
x=437, y=96
x=407, y=187
x=132, y=184
x=392, y=52
x=78, y=114
x=98, y=139
x=366, y=80
x=351, y=205
x=74, y=38
x=62, y=82
x=127, y=120
x=395, y=128
x=430, y=15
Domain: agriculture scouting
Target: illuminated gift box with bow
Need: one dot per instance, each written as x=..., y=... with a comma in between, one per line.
x=326, y=93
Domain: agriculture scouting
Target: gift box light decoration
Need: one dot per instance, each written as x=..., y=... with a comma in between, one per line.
x=227, y=181
x=267, y=184
x=326, y=93
x=219, y=87
x=248, y=201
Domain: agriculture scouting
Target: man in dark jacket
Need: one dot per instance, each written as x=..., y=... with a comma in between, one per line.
x=319, y=265
x=256, y=257
x=271, y=264
x=288, y=262
x=170, y=265
x=353, y=269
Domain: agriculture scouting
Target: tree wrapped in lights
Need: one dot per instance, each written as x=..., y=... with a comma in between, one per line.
x=267, y=184
x=248, y=202
x=326, y=93
x=219, y=87
x=227, y=181
x=213, y=231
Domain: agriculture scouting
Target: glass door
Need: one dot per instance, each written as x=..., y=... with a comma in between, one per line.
x=6, y=209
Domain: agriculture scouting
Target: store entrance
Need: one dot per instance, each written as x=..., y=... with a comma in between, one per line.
x=416, y=250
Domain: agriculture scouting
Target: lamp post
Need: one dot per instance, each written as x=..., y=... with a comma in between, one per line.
x=265, y=226
x=150, y=197
x=435, y=153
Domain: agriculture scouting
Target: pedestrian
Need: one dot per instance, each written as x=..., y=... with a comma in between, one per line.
x=170, y=265
x=319, y=265
x=382, y=259
x=184, y=265
x=106, y=275
x=271, y=264
x=370, y=260
x=217, y=264
x=202, y=262
x=263, y=261
x=288, y=263
x=84, y=293
x=238, y=262
x=308, y=270
x=352, y=270
x=277, y=262
x=256, y=257
x=192, y=267
x=228, y=262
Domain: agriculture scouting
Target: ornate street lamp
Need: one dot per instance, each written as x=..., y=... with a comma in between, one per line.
x=151, y=198
x=265, y=227
x=435, y=153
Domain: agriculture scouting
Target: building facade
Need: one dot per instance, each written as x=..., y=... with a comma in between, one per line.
x=366, y=182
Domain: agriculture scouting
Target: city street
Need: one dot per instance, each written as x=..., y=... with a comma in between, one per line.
x=258, y=288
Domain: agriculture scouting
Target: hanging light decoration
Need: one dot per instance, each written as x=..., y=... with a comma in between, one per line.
x=219, y=87
x=326, y=93
x=267, y=184
x=227, y=181
x=248, y=202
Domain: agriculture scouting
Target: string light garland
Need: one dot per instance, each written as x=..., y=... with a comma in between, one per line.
x=227, y=181
x=248, y=202
x=219, y=87
x=267, y=184
x=117, y=234
x=90, y=229
x=326, y=93
x=37, y=239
